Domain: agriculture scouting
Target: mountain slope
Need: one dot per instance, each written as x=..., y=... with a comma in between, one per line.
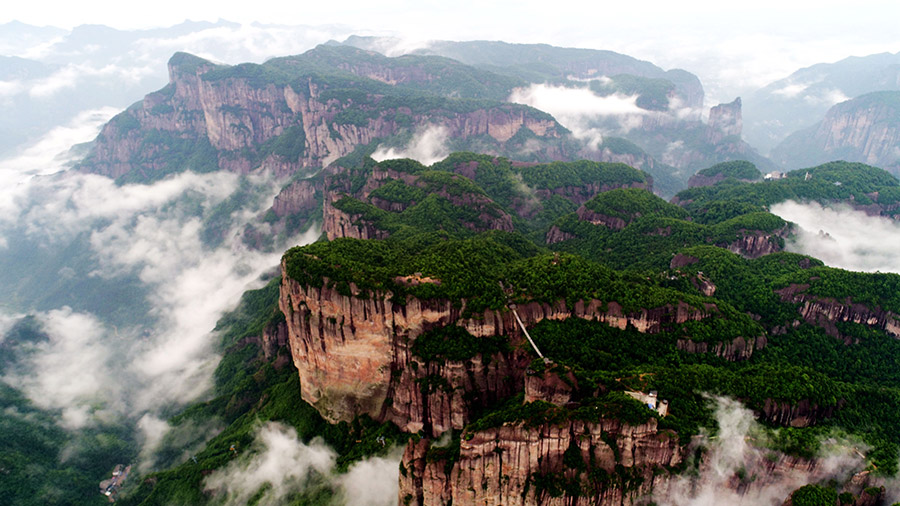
x=865, y=129
x=801, y=99
x=297, y=115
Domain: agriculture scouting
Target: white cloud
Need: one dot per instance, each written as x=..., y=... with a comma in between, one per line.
x=245, y=42
x=843, y=237
x=680, y=111
x=278, y=464
x=398, y=46
x=10, y=88
x=580, y=110
x=147, y=230
x=48, y=155
x=567, y=101
x=828, y=97
x=372, y=482
x=70, y=76
x=738, y=455
x=791, y=90
x=427, y=146
x=278, y=461
x=71, y=371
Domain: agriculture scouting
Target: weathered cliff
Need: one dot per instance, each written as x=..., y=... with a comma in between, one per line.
x=297, y=197
x=287, y=118
x=353, y=352
x=725, y=121
x=740, y=348
x=573, y=463
x=865, y=129
x=756, y=243
x=825, y=312
x=801, y=414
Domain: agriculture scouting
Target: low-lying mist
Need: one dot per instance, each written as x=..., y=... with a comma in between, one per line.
x=739, y=466
x=588, y=115
x=137, y=340
x=279, y=466
x=427, y=146
x=843, y=237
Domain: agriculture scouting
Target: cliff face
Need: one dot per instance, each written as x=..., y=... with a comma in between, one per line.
x=826, y=312
x=802, y=414
x=756, y=243
x=353, y=352
x=337, y=223
x=724, y=121
x=517, y=465
x=865, y=129
x=740, y=348
x=297, y=197
x=242, y=119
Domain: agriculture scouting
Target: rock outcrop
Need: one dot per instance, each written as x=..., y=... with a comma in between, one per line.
x=249, y=118
x=801, y=414
x=299, y=196
x=865, y=129
x=825, y=312
x=518, y=464
x=725, y=121
x=756, y=243
x=740, y=348
x=482, y=213
x=353, y=352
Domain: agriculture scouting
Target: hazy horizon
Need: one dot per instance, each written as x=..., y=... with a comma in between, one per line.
x=734, y=49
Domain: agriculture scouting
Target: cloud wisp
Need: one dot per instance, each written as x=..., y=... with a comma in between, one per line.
x=89, y=368
x=739, y=469
x=426, y=146
x=279, y=465
x=583, y=112
x=843, y=237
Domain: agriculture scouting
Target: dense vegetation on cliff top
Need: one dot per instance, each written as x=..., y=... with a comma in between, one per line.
x=849, y=387
x=831, y=182
x=474, y=267
x=738, y=169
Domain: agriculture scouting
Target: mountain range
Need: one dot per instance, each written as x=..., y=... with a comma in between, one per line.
x=490, y=289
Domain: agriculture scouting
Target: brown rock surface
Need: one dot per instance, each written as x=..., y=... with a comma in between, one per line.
x=506, y=465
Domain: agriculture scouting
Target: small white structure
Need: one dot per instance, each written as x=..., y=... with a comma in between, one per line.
x=774, y=175
x=651, y=400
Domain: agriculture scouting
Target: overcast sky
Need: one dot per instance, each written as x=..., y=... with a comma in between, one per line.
x=730, y=45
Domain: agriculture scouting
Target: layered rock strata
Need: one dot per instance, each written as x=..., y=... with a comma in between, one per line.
x=825, y=312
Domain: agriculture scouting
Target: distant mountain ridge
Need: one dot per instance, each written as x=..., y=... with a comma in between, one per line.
x=801, y=99
x=865, y=129
x=543, y=62
x=296, y=113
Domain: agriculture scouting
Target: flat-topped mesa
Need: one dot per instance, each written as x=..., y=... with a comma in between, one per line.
x=289, y=119
x=740, y=170
x=350, y=214
x=355, y=353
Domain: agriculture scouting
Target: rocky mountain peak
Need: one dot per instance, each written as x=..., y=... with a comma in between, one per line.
x=725, y=119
